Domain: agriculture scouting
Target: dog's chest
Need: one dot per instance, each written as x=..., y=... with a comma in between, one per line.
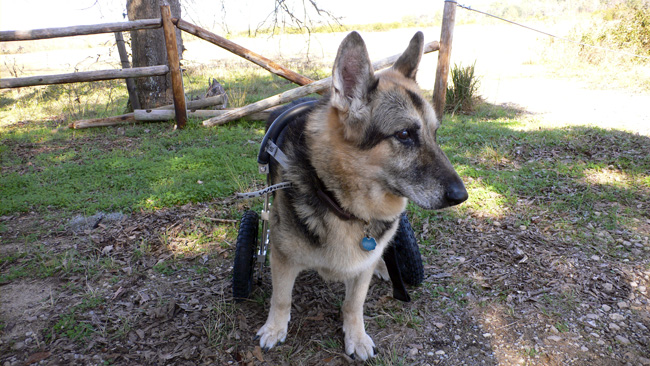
x=342, y=256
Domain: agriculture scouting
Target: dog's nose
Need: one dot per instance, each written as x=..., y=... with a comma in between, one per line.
x=456, y=193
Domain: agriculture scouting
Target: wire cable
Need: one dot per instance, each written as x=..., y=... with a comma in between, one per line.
x=552, y=35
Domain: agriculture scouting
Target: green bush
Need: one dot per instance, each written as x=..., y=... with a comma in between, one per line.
x=461, y=94
x=626, y=27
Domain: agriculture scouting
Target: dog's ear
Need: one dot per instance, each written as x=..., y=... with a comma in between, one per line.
x=352, y=75
x=407, y=63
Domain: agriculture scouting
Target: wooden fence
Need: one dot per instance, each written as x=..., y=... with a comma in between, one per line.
x=255, y=110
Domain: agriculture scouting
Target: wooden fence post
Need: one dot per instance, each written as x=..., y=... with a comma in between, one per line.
x=442, y=71
x=124, y=57
x=174, y=66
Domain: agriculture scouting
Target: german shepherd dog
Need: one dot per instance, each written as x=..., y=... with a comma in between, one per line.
x=353, y=160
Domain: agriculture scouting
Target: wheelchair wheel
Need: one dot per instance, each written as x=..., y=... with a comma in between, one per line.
x=408, y=255
x=245, y=251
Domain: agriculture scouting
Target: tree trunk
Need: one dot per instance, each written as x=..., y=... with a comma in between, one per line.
x=148, y=49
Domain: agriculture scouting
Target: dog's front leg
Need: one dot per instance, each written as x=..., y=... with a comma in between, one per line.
x=357, y=342
x=283, y=276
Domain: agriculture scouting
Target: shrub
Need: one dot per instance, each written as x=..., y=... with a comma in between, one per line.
x=625, y=26
x=461, y=94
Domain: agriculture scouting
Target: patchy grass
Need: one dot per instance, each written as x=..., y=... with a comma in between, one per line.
x=556, y=226
x=547, y=208
x=149, y=167
x=593, y=175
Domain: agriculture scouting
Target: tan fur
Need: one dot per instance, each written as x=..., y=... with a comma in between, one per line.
x=356, y=175
x=353, y=173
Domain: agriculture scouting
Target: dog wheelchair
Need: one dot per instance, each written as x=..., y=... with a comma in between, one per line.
x=402, y=256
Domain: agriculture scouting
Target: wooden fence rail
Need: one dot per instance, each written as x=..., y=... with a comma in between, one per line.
x=77, y=77
x=299, y=92
x=130, y=118
x=308, y=86
x=242, y=52
x=78, y=30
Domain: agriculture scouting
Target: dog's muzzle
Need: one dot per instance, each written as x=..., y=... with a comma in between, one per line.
x=455, y=193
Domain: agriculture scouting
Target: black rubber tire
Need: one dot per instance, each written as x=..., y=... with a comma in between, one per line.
x=408, y=255
x=245, y=252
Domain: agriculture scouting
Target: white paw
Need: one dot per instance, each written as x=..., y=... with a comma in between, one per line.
x=381, y=270
x=359, y=345
x=271, y=334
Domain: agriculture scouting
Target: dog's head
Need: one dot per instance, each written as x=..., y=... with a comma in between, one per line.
x=386, y=117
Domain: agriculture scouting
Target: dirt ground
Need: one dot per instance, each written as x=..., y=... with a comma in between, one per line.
x=495, y=293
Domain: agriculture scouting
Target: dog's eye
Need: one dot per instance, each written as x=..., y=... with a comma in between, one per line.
x=403, y=135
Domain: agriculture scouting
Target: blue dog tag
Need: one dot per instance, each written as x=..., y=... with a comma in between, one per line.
x=368, y=243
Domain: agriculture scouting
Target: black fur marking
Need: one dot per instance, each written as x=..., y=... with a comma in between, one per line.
x=379, y=228
x=372, y=88
x=372, y=137
x=417, y=100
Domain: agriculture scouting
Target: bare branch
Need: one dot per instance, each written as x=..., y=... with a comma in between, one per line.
x=283, y=16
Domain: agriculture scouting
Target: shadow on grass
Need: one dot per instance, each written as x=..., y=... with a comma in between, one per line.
x=557, y=226
x=551, y=233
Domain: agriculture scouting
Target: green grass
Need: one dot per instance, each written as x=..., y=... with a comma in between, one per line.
x=503, y=161
x=147, y=168
x=39, y=262
x=71, y=327
x=221, y=321
x=389, y=358
x=143, y=167
x=72, y=324
x=164, y=268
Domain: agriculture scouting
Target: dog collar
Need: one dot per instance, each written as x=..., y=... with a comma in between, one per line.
x=330, y=202
x=367, y=243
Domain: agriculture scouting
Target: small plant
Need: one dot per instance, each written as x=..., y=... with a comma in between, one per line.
x=462, y=93
x=71, y=327
x=408, y=318
x=13, y=68
x=331, y=343
x=531, y=352
x=220, y=323
x=392, y=358
x=562, y=327
x=91, y=302
x=125, y=326
x=164, y=268
x=382, y=321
